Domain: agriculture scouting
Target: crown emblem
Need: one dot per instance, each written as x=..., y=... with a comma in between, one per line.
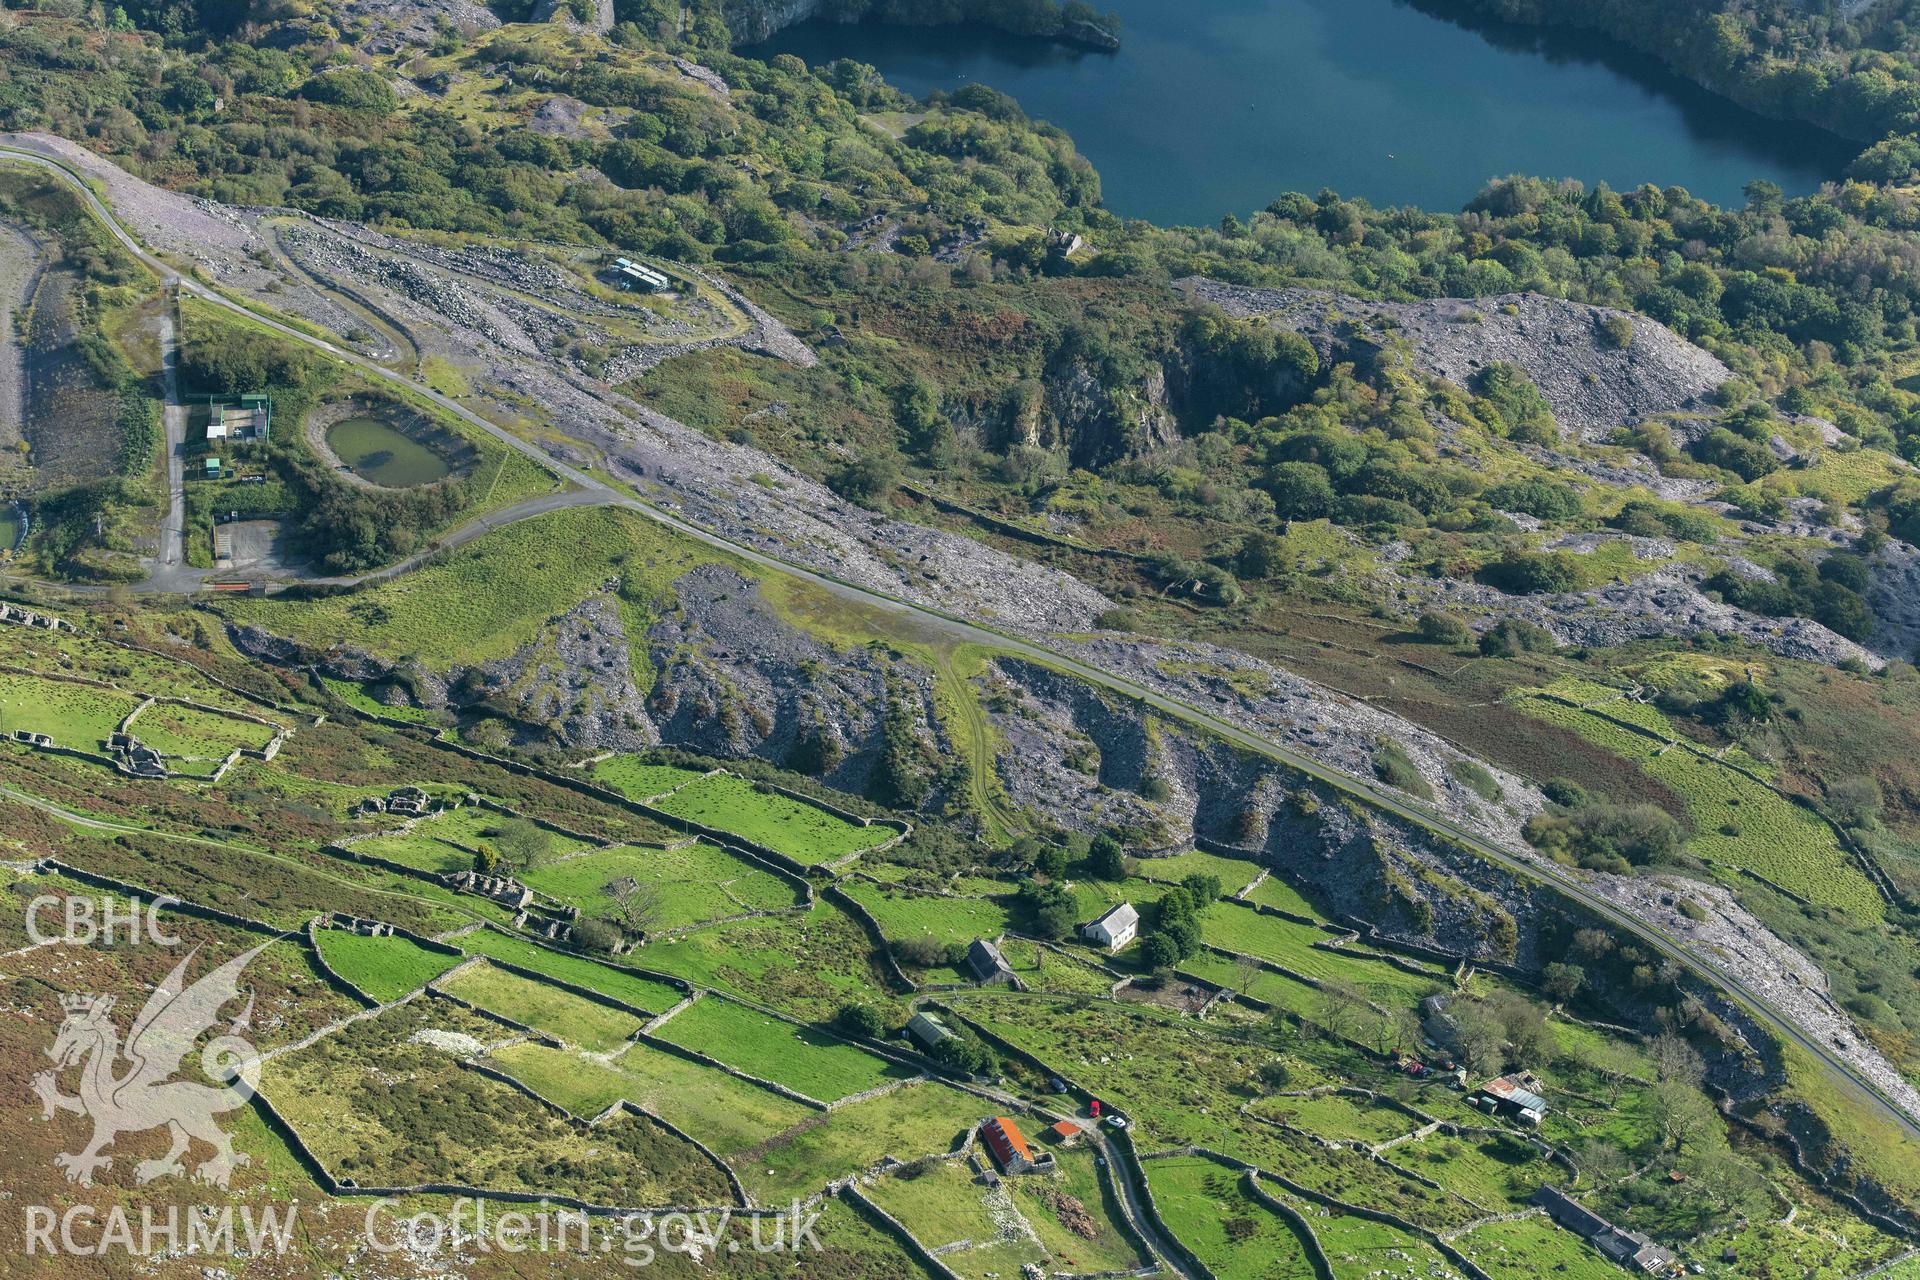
x=78, y=1002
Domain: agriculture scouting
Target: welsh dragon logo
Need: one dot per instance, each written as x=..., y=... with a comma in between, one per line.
x=141, y=1094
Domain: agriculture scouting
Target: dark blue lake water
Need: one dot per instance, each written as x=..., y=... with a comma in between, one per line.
x=1213, y=106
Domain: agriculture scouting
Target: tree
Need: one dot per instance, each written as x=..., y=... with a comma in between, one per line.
x=1274, y=1075
x=1563, y=981
x=1051, y=861
x=1158, y=951
x=522, y=844
x=1202, y=888
x=1336, y=1006
x=859, y=1019
x=1444, y=628
x=1676, y=1060
x=638, y=905
x=1300, y=490
x=1246, y=970
x=1855, y=801
x=967, y=1055
x=1393, y=1029
x=1106, y=859
x=916, y=412
x=1049, y=909
x=1510, y=636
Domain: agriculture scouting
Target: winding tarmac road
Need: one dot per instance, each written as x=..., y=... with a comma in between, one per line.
x=598, y=492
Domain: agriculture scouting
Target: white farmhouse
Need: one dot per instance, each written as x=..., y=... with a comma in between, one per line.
x=1115, y=929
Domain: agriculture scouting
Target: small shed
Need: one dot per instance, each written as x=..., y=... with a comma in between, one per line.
x=927, y=1031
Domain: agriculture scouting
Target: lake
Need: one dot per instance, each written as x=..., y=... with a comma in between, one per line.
x=1213, y=106
x=375, y=451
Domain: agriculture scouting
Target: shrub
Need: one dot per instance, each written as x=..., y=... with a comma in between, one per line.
x=1527, y=573
x=920, y=953
x=1607, y=837
x=1393, y=766
x=1748, y=459
x=1617, y=332
x=1548, y=499
x=1047, y=907
x=1444, y=628
x=1515, y=635
x=860, y=1020
x=1476, y=779
x=597, y=935
x=1274, y=1076
x=352, y=88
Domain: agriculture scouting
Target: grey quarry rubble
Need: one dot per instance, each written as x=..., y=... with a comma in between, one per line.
x=753, y=500
x=1593, y=386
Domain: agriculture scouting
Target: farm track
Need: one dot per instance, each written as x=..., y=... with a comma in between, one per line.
x=960, y=631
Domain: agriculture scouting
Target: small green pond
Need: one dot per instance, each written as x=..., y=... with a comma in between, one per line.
x=378, y=452
x=9, y=528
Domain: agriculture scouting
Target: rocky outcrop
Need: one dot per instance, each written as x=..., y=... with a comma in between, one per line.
x=1091, y=762
x=1097, y=425
x=723, y=675
x=734, y=679
x=1666, y=602
x=1593, y=384
x=600, y=22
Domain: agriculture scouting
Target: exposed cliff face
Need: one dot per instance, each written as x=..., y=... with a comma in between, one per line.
x=1091, y=762
x=752, y=21
x=728, y=677
x=1097, y=425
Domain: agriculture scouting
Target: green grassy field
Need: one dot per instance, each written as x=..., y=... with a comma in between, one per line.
x=491, y=597
x=385, y=968
x=1736, y=821
x=905, y=915
x=1208, y=1208
x=698, y=883
x=806, y=965
x=380, y=1106
x=728, y=1114
x=800, y=1058
x=800, y=831
x=189, y=731
x=1534, y=1247
x=637, y=780
x=1498, y=1175
x=920, y=1119
x=1340, y=1118
x=1361, y=1249
x=941, y=1202
x=1290, y=945
x=1234, y=874
x=1278, y=894
x=575, y=1019
x=445, y=841
x=355, y=695
x=1076, y=1216
x=629, y=988
x=73, y=715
